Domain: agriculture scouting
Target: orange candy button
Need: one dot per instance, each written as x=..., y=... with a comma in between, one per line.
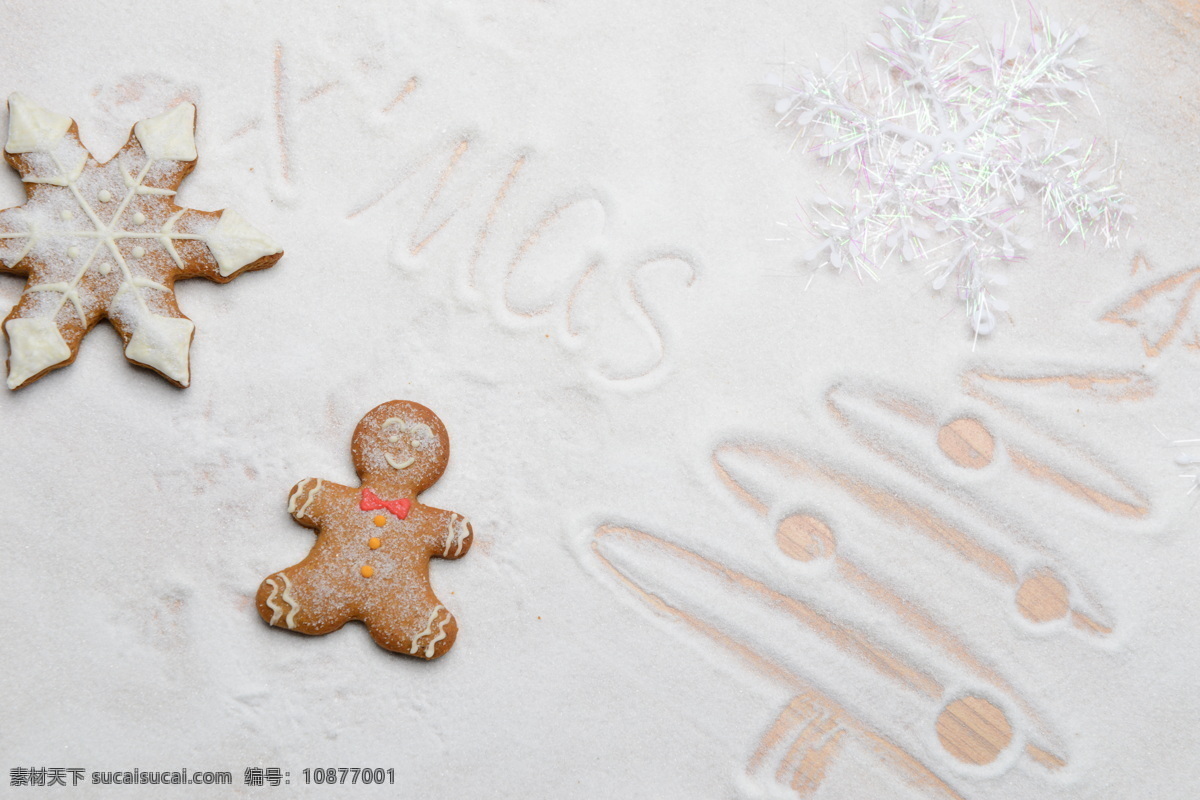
x=380, y=520
x=367, y=571
x=374, y=543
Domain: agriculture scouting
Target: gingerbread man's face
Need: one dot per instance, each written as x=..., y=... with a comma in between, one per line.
x=401, y=444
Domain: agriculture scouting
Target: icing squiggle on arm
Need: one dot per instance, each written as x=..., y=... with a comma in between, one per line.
x=295, y=495
x=456, y=534
x=300, y=490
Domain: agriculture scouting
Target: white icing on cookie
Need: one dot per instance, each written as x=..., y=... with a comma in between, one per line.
x=36, y=344
x=167, y=235
x=65, y=289
x=276, y=609
x=463, y=532
x=96, y=240
x=429, y=630
x=312, y=496
x=290, y=600
x=399, y=465
x=32, y=129
x=420, y=435
x=235, y=243
x=162, y=343
x=286, y=596
x=456, y=534
x=441, y=634
x=171, y=135
x=295, y=496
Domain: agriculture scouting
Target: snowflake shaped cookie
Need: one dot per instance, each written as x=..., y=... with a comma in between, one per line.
x=948, y=141
x=106, y=240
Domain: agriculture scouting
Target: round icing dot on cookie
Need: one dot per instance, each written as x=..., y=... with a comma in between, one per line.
x=73, y=252
x=105, y=196
x=66, y=214
x=139, y=218
x=105, y=268
x=138, y=252
x=367, y=571
x=374, y=544
x=380, y=520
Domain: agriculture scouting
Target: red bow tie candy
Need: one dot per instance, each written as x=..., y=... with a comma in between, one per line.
x=372, y=502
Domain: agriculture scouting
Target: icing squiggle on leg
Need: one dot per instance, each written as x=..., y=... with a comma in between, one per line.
x=288, y=598
x=276, y=610
x=441, y=634
x=289, y=601
x=416, y=642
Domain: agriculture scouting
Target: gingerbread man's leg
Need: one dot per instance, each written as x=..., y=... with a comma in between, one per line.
x=292, y=599
x=426, y=632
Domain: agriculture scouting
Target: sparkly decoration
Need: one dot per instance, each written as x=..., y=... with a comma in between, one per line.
x=1187, y=459
x=948, y=142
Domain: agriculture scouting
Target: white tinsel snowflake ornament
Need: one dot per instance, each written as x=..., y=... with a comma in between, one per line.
x=949, y=141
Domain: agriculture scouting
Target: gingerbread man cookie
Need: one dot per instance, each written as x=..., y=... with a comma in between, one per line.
x=106, y=240
x=371, y=558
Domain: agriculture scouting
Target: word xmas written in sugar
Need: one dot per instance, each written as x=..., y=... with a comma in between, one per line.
x=535, y=254
x=551, y=269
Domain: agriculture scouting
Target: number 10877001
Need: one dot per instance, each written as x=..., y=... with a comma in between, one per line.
x=349, y=775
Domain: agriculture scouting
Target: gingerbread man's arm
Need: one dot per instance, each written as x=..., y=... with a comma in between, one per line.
x=446, y=534
x=307, y=501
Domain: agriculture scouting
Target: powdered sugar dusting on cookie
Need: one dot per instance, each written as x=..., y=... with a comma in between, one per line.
x=370, y=561
x=104, y=240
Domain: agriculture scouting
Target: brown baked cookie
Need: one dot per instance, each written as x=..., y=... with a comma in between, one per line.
x=106, y=240
x=371, y=558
